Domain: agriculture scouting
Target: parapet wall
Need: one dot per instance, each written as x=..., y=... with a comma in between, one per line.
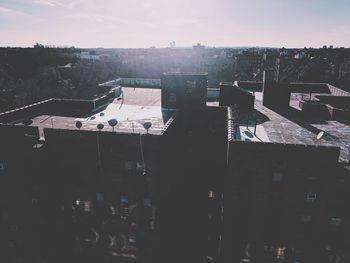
x=296, y=87
x=61, y=107
x=309, y=87
x=104, y=99
x=133, y=82
x=26, y=111
x=338, y=92
x=342, y=102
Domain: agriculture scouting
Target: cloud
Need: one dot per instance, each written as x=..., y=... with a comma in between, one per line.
x=181, y=22
x=12, y=13
x=57, y=3
x=103, y=18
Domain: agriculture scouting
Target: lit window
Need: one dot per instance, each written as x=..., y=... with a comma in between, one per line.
x=124, y=199
x=280, y=252
x=277, y=177
x=311, y=197
x=211, y=194
x=87, y=206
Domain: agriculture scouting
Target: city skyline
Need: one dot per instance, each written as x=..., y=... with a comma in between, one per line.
x=133, y=24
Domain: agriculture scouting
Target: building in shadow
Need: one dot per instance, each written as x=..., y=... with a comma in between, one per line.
x=160, y=174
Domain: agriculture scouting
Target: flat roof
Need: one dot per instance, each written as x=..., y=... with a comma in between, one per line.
x=291, y=127
x=138, y=105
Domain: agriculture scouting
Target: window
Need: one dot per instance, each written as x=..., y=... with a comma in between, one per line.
x=311, y=178
x=124, y=199
x=190, y=86
x=2, y=166
x=280, y=253
x=87, y=206
x=172, y=97
x=172, y=87
x=306, y=218
x=35, y=201
x=211, y=194
x=335, y=221
x=100, y=196
x=147, y=202
x=311, y=197
x=129, y=165
x=277, y=177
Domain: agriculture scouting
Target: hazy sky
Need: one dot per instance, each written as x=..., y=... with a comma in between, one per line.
x=145, y=23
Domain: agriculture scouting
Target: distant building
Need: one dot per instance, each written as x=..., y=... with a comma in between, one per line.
x=198, y=47
x=88, y=56
x=248, y=63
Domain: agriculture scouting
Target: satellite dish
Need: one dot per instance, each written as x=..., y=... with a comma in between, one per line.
x=27, y=122
x=112, y=123
x=78, y=124
x=320, y=135
x=147, y=125
x=100, y=126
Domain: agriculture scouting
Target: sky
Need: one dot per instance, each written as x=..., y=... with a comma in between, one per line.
x=145, y=23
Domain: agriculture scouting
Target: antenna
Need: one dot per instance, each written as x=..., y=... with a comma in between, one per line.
x=147, y=126
x=143, y=157
x=78, y=124
x=100, y=126
x=112, y=123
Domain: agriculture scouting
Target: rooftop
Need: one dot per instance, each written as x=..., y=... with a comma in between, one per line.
x=292, y=127
x=135, y=107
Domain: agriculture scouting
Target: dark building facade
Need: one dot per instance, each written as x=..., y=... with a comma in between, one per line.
x=287, y=203
x=158, y=175
x=97, y=193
